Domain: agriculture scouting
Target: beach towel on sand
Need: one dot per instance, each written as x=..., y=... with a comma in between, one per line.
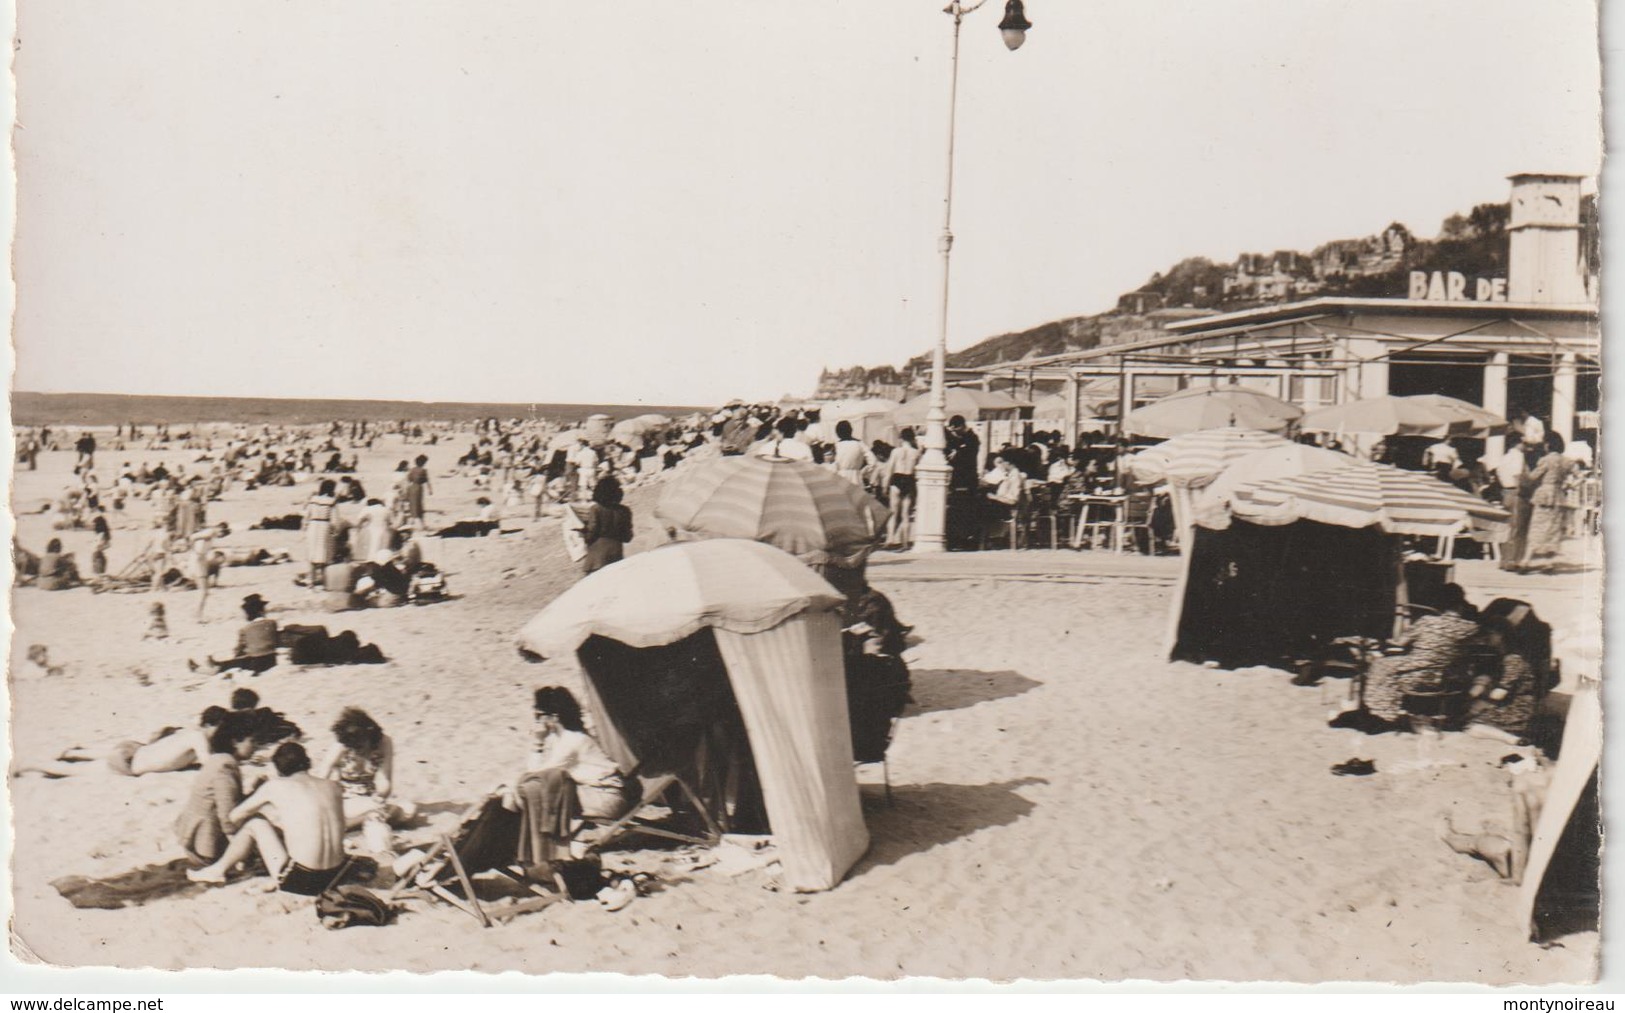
x=130, y=889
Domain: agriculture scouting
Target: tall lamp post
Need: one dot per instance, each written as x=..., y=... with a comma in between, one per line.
x=931, y=523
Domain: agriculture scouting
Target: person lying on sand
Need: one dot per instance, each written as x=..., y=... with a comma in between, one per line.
x=304, y=848
x=167, y=750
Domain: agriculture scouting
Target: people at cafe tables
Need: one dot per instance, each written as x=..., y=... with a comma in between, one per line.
x=1004, y=484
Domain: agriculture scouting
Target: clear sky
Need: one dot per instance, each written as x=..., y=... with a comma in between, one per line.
x=683, y=202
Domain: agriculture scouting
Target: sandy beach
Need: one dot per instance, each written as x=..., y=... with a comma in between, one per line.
x=1066, y=804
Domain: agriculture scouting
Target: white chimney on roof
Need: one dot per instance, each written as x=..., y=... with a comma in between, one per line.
x=1545, y=263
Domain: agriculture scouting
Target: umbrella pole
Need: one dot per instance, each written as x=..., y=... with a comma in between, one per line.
x=1177, y=612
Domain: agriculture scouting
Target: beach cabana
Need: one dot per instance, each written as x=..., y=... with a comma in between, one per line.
x=1291, y=562
x=732, y=633
x=871, y=417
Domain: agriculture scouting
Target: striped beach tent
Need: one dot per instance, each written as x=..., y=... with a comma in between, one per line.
x=810, y=512
x=695, y=635
x=1364, y=494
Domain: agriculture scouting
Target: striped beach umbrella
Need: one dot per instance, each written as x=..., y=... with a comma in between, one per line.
x=1195, y=459
x=1211, y=508
x=1363, y=494
x=1200, y=408
x=808, y=511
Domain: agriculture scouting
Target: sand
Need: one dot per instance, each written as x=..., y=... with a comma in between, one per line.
x=1065, y=803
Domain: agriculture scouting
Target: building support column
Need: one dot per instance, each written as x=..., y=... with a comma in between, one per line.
x=1495, y=400
x=1565, y=386
x=1071, y=394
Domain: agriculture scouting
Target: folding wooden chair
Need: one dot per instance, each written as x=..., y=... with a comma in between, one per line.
x=487, y=832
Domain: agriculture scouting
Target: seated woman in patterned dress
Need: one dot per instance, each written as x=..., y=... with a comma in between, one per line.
x=364, y=765
x=1425, y=653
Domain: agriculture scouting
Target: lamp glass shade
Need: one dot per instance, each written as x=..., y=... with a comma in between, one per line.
x=1015, y=24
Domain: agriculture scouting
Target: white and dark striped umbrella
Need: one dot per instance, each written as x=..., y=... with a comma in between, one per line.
x=1195, y=459
x=810, y=512
x=1364, y=494
x=663, y=595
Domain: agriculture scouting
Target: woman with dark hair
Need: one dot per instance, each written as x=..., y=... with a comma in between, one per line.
x=104, y=540
x=57, y=569
x=363, y=763
x=318, y=525
x=417, y=486
x=1548, y=516
x=608, y=526
x=1426, y=651
x=216, y=790
x=566, y=774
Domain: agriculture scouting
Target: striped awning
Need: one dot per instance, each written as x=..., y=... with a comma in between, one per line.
x=1364, y=494
x=1195, y=459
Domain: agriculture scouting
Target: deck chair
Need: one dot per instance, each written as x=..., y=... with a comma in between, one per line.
x=657, y=790
x=486, y=840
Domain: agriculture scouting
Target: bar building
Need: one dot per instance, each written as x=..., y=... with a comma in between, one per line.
x=1528, y=342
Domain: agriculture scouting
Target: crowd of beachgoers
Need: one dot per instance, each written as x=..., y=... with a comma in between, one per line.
x=170, y=535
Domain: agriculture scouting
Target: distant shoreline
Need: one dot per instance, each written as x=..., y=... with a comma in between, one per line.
x=32, y=408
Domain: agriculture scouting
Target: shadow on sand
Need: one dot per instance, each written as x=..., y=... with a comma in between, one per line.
x=947, y=689
x=923, y=816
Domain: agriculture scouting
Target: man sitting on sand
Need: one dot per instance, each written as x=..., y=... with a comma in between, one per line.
x=304, y=848
x=256, y=641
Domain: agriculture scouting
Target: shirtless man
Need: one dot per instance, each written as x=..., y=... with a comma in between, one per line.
x=304, y=849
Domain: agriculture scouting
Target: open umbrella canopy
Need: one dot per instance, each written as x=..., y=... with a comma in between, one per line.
x=659, y=597
x=1053, y=406
x=636, y=427
x=1362, y=494
x=1483, y=421
x=970, y=402
x=858, y=408
x=807, y=511
x=1196, y=458
x=1212, y=506
x=1200, y=408
x=1390, y=415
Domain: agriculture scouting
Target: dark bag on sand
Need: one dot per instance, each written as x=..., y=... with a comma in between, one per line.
x=583, y=877
x=307, y=645
x=342, y=907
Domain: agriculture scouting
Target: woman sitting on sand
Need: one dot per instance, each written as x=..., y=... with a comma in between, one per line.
x=566, y=774
x=1426, y=652
x=57, y=569
x=363, y=763
x=202, y=825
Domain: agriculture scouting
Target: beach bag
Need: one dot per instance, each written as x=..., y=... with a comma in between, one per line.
x=343, y=907
x=307, y=645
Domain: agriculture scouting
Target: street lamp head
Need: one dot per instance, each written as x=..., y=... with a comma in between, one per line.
x=1014, y=26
